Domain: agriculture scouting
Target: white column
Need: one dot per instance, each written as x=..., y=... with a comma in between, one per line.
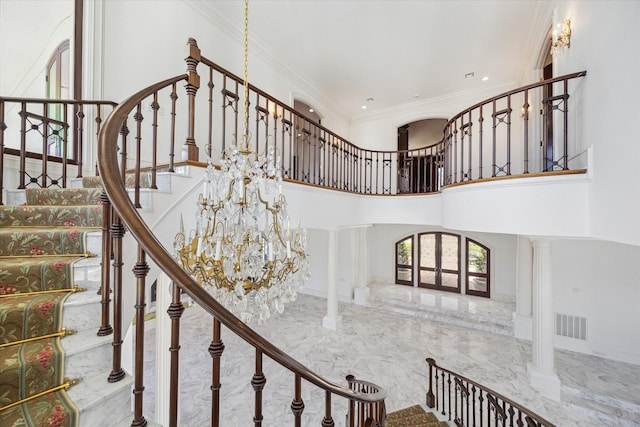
x=332, y=320
x=542, y=375
x=361, y=291
x=163, y=343
x=522, y=320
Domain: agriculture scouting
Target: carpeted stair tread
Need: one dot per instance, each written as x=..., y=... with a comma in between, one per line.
x=30, y=368
x=28, y=316
x=52, y=409
x=34, y=274
x=413, y=416
x=130, y=181
x=42, y=241
x=39, y=244
x=63, y=197
x=51, y=216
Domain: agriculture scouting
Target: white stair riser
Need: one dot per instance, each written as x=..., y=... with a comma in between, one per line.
x=83, y=364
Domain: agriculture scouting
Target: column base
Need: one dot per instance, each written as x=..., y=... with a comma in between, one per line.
x=332, y=322
x=523, y=327
x=545, y=382
x=361, y=296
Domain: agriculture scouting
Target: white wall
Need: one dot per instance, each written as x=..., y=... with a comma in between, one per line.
x=599, y=280
x=30, y=31
x=604, y=42
x=144, y=45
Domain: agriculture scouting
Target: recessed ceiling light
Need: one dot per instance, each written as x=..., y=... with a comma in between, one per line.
x=485, y=78
x=364, y=107
x=311, y=110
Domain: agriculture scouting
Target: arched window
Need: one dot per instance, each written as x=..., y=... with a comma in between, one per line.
x=404, y=261
x=478, y=262
x=58, y=73
x=440, y=264
x=58, y=78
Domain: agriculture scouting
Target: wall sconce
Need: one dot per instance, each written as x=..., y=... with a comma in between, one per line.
x=525, y=112
x=561, y=37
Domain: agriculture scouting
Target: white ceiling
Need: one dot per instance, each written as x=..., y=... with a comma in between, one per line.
x=392, y=51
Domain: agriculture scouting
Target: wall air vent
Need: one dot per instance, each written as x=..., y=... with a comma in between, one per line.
x=571, y=326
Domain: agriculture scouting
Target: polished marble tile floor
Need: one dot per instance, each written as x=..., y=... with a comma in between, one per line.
x=388, y=349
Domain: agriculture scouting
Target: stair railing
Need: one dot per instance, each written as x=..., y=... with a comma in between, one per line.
x=54, y=131
x=114, y=161
x=467, y=403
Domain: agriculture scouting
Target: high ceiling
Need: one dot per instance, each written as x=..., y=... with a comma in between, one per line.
x=395, y=52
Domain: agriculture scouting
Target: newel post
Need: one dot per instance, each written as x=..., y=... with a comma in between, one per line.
x=190, y=149
x=431, y=399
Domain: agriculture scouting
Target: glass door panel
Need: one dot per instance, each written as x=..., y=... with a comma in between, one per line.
x=439, y=262
x=404, y=261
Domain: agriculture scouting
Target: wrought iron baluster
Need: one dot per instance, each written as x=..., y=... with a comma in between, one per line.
x=216, y=348
x=211, y=86
x=175, y=310
x=327, y=421
x=525, y=136
x=45, y=148
x=138, y=117
x=78, y=139
x=105, y=290
x=140, y=271
x=480, y=134
x=117, y=233
x=297, y=406
x=154, y=141
x=172, y=148
x=258, y=381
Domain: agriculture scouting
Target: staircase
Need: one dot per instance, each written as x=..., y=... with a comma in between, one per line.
x=50, y=257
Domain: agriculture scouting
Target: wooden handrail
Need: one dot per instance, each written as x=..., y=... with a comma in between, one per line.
x=115, y=189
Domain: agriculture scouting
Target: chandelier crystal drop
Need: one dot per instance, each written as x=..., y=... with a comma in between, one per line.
x=243, y=248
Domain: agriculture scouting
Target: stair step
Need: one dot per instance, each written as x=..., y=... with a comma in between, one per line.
x=87, y=273
x=82, y=311
x=445, y=316
x=86, y=353
x=609, y=406
x=100, y=403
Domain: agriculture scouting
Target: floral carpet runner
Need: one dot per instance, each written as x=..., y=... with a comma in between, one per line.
x=39, y=244
x=414, y=416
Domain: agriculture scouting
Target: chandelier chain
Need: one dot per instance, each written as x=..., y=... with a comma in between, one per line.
x=246, y=75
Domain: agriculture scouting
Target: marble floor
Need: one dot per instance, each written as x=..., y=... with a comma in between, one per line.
x=388, y=349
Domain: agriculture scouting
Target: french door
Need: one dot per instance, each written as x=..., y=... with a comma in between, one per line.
x=439, y=261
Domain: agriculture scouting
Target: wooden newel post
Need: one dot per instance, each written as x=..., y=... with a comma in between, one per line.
x=431, y=399
x=190, y=149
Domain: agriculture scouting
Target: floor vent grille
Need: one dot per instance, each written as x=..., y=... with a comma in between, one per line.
x=571, y=326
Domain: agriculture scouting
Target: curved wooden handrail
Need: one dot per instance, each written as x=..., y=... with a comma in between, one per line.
x=57, y=101
x=115, y=189
x=537, y=418
x=518, y=90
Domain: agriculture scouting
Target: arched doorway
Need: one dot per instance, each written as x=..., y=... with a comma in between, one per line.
x=418, y=171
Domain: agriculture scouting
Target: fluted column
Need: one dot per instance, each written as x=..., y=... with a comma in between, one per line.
x=522, y=320
x=332, y=320
x=361, y=291
x=163, y=343
x=542, y=375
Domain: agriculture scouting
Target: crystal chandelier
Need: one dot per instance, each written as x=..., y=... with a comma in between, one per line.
x=243, y=248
